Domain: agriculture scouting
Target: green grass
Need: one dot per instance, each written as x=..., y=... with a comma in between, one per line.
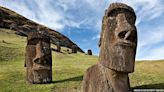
x=68, y=69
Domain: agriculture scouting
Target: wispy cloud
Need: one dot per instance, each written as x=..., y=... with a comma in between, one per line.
x=68, y=16
x=96, y=37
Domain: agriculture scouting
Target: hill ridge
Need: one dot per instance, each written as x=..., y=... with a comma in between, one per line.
x=22, y=26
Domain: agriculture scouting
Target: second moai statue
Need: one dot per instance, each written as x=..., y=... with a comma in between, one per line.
x=38, y=58
x=118, y=42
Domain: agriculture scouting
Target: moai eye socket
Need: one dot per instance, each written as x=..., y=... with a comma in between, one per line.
x=37, y=61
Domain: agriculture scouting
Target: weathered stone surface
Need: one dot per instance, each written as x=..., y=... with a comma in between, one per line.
x=38, y=58
x=118, y=38
x=118, y=42
x=74, y=49
x=89, y=52
x=102, y=79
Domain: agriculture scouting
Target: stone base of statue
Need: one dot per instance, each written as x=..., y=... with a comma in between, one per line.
x=102, y=79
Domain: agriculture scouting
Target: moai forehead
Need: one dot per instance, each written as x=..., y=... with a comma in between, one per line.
x=118, y=38
x=34, y=37
x=118, y=6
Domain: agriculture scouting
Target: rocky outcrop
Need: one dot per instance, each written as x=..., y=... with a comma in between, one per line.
x=22, y=26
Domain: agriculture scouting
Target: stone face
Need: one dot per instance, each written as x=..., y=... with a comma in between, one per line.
x=118, y=38
x=38, y=58
x=118, y=42
x=89, y=52
x=74, y=49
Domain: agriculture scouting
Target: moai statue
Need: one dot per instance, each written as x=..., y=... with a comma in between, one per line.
x=1, y=23
x=58, y=46
x=89, y=52
x=38, y=58
x=74, y=49
x=118, y=42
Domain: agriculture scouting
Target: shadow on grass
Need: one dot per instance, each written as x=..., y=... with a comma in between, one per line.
x=77, y=78
x=150, y=86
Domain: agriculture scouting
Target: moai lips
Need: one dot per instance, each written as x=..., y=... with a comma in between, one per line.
x=119, y=38
x=38, y=58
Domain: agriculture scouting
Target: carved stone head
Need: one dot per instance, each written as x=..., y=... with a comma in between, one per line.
x=118, y=39
x=38, y=58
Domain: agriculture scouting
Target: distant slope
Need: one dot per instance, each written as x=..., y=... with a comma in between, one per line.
x=68, y=69
x=22, y=26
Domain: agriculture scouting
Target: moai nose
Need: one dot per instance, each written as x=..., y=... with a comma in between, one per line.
x=125, y=28
x=39, y=54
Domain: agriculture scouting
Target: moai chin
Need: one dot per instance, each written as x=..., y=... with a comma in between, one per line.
x=38, y=58
x=118, y=42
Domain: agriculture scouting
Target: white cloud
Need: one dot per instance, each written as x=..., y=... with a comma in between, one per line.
x=149, y=41
x=146, y=10
x=96, y=37
x=87, y=14
x=154, y=54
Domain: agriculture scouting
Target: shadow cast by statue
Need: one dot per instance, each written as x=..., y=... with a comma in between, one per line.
x=77, y=78
x=150, y=86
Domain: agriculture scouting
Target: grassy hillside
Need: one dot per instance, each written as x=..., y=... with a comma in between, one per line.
x=68, y=69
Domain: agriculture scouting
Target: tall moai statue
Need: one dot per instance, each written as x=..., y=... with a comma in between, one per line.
x=118, y=42
x=38, y=58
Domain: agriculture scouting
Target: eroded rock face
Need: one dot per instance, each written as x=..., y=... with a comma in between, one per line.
x=118, y=42
x=38, y=58
x=22, y=26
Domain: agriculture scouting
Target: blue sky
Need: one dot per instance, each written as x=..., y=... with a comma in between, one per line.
x=80, y=20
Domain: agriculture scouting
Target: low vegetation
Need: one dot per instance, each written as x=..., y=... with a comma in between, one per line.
x=68, y=69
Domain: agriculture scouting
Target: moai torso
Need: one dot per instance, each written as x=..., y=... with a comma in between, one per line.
x=38, y=58
x=118, y=42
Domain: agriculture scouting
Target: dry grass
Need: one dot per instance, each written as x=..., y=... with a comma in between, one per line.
x=68, y=69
